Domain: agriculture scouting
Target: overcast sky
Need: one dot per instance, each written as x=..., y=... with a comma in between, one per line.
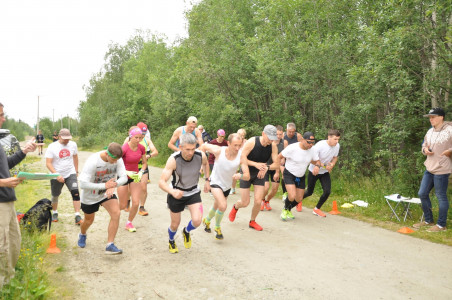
x=51, y=48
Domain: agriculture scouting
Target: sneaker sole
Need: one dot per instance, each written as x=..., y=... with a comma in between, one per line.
x=143, y=214
x=112, y=253
x=316, y=214
x=219, y=238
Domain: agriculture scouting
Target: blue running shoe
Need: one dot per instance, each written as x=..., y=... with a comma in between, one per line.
x=81, y=240
x=112, y=249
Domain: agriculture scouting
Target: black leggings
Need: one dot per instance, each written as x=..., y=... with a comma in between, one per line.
x=325, y=181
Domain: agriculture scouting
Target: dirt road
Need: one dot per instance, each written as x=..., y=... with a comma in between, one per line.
x=306, y=258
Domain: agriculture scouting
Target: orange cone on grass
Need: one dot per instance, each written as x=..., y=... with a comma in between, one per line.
x=53, y=247
x=405, y=230
x=334, y=211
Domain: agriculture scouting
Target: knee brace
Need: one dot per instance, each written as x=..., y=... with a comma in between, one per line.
x=54, y=199
x=75, y=195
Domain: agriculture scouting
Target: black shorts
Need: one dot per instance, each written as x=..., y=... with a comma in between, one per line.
x=178, y=205
x=92, y=208
x=225, y=193
x=269, y=176
x=253, y=180
x=289, y=178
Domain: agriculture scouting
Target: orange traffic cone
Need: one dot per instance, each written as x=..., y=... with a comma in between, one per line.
x=53, y=248
x=405, y=230
x=334, y=211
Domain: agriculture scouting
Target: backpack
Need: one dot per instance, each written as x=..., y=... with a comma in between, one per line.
x=39, y=215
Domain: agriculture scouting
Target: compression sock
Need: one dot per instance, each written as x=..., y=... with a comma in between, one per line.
x=218, y=217
x=211, y=214
x=190, y=226
x=287, y=204
x=171, y=234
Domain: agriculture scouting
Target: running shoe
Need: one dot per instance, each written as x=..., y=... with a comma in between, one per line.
x=173, y=247
x=422, y=224
x=142, y=211
x=112, y=250
x=299, y=206
x=81, y=240
x=78, y=220
x=130, y=228
x=233, y=213
x=267, y=205
x=255, y=226
x=206, y=225
x=436, y=228
x=262, y=205
x=318, y=212
x=55, y=217
x=219, y=235
x=284, y=215
x=187, y=239
x=290, y=215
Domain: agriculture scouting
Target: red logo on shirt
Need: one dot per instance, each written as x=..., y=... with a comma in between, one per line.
x=64, y=153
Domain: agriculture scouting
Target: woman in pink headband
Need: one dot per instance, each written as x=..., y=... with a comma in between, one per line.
x=133, y=153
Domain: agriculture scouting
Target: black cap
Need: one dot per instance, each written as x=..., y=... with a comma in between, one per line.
x=437, y=111
x=307, y=135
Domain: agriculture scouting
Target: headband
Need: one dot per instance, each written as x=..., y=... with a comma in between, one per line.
x=109, y=154
x=134, y=132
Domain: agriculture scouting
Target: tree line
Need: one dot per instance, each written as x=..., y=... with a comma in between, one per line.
x=368, y=68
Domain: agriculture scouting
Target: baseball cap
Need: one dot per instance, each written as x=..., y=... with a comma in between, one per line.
x=307, y=135
x=192, y=120
x=270, y=131
x=143, y=127
x=221, y=132
x=437, y=111
x=65, y=134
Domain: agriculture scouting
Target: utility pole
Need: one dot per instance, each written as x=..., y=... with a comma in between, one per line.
x=37, y=123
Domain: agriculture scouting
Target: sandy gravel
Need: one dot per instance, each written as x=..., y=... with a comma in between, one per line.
x=306, y=258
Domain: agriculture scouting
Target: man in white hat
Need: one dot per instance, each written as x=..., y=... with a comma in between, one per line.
x=190, y=127
x=61, y=158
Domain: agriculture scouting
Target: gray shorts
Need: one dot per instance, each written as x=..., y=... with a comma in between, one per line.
x=71, y=183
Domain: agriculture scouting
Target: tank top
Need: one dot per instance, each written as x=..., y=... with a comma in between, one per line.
x=292, y=140
x=280, y=147
x=186, y=175
x=259, y=153
x=183, y=132
x=223, y=170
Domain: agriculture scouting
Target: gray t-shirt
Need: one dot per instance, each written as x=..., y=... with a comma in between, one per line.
x=95, y=174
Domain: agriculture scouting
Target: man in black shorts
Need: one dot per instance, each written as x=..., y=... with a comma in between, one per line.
x=257, y=151
x=273, y=176
x=102, y=173
x=184, y=165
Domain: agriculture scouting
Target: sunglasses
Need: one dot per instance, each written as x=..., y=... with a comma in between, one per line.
x=310, y=142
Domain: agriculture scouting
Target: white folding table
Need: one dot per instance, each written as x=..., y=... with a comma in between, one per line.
x=405, y=202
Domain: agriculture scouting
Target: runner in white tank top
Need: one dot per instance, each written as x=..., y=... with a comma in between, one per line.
x=227, y=160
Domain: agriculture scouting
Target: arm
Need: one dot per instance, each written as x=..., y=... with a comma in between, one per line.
x=245, y=171
x=249, y=145
x=166, y=174
x=286, y=143
x=205, y=166
x=317, y=165
x=275, y=164
x=154, y=151
x=298, y=137
x=331, y=164
x=173, y=140
x=75, y=158
x=49, y=166
x=211, y=148
x=198, y=137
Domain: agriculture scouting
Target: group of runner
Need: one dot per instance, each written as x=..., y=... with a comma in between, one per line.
x=262, y=159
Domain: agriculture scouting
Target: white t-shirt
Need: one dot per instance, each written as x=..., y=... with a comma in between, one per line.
x=62, y=156
x=326, y=154
x=96, y=172
x=224, y=169
x=297, y=159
